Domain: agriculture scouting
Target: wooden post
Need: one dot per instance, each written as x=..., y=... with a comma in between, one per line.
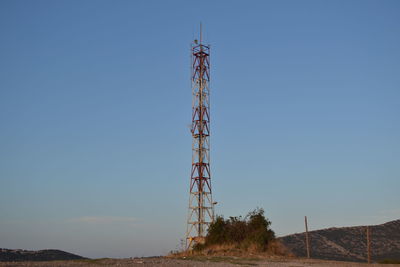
x=368, y=244
x=307, y=238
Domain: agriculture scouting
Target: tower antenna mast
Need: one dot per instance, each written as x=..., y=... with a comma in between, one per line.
x=201, y=33
x=201, y=205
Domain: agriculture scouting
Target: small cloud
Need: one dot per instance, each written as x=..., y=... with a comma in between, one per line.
x=103, y=220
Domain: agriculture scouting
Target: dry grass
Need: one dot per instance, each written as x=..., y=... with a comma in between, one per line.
x=275, y=249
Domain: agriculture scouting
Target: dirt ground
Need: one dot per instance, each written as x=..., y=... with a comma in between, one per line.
x=193, y=261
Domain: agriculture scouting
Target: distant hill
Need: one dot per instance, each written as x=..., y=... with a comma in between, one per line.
x=348, y=243
x=41, y=255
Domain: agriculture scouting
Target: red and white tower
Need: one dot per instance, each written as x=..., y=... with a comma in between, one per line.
x=201, y=205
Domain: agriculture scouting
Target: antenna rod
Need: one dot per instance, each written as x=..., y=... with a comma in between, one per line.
x=201, y=33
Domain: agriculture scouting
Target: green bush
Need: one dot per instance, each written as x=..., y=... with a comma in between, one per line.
x=252, y=231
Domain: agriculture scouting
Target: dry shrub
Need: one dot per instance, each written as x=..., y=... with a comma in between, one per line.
x=251, y=234
x=276, y=248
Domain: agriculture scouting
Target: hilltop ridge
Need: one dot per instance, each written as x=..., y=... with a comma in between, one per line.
x=348, y=243
x=40, y=255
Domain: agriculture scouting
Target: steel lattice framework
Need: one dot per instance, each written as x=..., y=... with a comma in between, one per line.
x=201, y=205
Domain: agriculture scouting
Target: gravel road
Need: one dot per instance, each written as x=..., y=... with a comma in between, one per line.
x=192, y=262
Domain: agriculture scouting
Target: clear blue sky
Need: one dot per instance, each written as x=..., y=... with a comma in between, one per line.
x=95, y=103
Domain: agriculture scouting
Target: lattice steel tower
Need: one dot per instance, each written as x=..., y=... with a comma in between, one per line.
x=201, y=205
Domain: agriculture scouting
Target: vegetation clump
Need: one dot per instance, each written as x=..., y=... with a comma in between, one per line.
x=390, y=261
x=251, y=233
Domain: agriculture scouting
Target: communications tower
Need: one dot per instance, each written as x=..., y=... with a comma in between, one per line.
x=201, y=205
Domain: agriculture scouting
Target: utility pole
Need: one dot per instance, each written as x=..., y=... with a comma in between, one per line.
x=201, y=205
x=368, y=230
x=307, y=237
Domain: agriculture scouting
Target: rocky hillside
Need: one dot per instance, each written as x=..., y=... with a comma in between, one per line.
x=349, y=243
x=41, y=255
